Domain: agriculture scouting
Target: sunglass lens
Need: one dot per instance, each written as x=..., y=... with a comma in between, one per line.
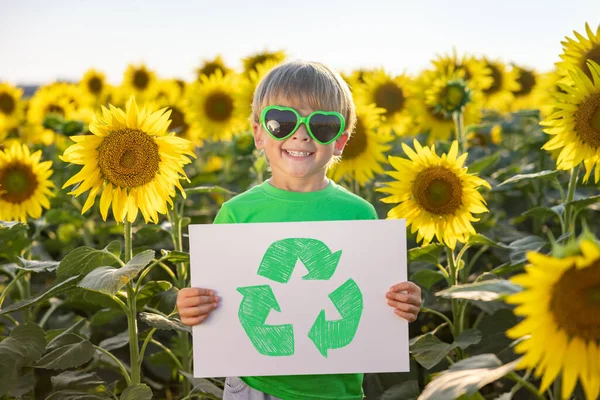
x=280, y=123
x=325, y=127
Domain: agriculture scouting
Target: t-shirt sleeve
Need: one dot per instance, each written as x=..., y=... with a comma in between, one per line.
x=224, y=216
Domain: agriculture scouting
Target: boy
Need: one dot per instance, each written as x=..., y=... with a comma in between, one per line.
x=298, y=190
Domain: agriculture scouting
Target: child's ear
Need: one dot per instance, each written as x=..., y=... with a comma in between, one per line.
x=259, y=135
x=340, y=143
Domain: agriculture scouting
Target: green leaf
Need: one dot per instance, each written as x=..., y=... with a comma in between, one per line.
x=507, y=269
x=479, y=239
x=481, y=164
x=149, y=290
x=115, y=342
x=466, y=377
x=159, y=322
x=408, y=390
x=110, y=280
x=61, y=216
x=202, y=385
x=582, y=204
x=137, y=392
x=106, y=315
x=523, y=177
x=77, y=395
x=176, y=256
x=426, y=278
x=467, y=338
x=24, y=346
x=489, y=290
x=25, y=385
x=68, y=356
x=37, y=266
x=62, y=287
x=64, y=340
x=428, y=350
x=544, y=213
x=208, y=189
x=13, y=236
x=74, y=329
x=430, y=253
x=84, y=259
x=520, y=247
x=76, y=380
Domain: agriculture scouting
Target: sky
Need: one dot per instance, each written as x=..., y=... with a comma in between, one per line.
x=41, y=40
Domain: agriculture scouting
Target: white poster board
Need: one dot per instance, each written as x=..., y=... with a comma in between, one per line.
x=258, y=268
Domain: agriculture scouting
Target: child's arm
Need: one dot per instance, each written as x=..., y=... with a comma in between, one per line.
x=405, y=298
x=195, y=304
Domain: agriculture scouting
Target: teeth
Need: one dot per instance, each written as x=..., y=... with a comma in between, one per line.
x=298, y=153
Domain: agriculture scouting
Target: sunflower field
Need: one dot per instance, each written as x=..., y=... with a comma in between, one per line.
x=495, y=167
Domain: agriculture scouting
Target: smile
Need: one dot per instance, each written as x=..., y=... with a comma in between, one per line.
x=298, y=154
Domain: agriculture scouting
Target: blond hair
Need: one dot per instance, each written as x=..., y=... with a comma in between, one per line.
x=305, y=82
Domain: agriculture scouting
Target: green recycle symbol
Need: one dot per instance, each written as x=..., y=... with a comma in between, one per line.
x=277, y=265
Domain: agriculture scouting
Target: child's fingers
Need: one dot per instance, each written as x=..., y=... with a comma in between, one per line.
x=196, y=311
x=404, y=298
x=190, y=292
x=409, y=287
x=409, y=308
x=196, y=301
x=195, y=320
x=407, y=316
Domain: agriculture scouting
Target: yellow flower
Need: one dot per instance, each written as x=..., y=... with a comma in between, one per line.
x=132, y=160
x=437, y=195
x=364, y=151
x=477, y=75
x=575, y=127
x=447, y=93
x=524, y=98
x=213, y=107
x=139, y=81
x=24, y=183
x=252, y=61
x=11, y=109
x=392, y=94
x=249, y=83
x=209, y=67
x=94, y=83
x=504, y=83
x=577, y=52
x=561, y=329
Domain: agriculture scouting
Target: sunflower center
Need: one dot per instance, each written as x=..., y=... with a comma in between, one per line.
x=128, y=158
x=141, y=80
x=452, y=97
x=178, y=123
x=55, y=109
x=496, y=80
x=466, y=70
x=575, y=301
x=438, y=115
x=17, y=183
x=594, y=55
x=210, y=68
x=7, y=103
x=95, y=85
x=587, y=120
x=390, y=97
x=438, y=190
x=357, y=143
x=527, y=82
x=218, y=106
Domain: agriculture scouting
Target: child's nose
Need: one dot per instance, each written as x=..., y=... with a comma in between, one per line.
x=301, y=134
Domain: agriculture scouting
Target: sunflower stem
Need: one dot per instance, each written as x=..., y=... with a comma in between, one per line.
x=455, y=303
x=526, y=384
x=570, y=215
x=459, y=125
x=9, y=286
x=131, y=312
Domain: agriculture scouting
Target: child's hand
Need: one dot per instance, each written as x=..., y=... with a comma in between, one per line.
x=195, y=304
x=405, y=297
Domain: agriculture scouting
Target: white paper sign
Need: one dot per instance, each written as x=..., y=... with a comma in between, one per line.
x=300, y=298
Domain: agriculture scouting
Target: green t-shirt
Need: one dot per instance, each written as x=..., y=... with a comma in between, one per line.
x=265, y=203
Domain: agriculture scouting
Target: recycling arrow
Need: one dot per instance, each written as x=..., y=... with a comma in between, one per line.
x=270, y=340
x=339, y=333
x=280, y=259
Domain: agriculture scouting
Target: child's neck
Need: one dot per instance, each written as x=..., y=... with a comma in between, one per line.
x=304, y=184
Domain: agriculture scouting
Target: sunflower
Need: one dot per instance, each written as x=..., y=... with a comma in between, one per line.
x=64, y=99
x=577, y=52
x=252, y=61
x=209, y=67
x=139, y=81
x=94, y=84
x=576, y=125
x=132, y=160
x=24, y=183
x=504, y=83
x=363, y=153
x=249, y=82
x=485, y=136
x=560, y=303
x=477, y=75
x=168, y=94
x=437, y=195
x=357, y=77
x=447, y=93
x=524, y=98
x=392, y=94
x=213, y=107
x=10, y=106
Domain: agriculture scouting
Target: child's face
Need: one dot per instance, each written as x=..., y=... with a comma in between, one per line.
x=299, y=157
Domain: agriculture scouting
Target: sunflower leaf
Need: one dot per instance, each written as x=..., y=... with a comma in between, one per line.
x=545, y=213
x=76, y=380
x=483, y=163
x=428, y=350
x=84, y=259
x=159, y=322
x=520, y=247
x=13, y=236
x=484, y=241
x=408, y=390
x=76, y=395
x=582, y=204
x=148, y=291
x=176, y=256
x=209, y=189
x=430, y=253
x=55, y=290
x=489, y=290
x=426, y=278
x=110, y=280
x=68, y=356
x=523, y=177
x=37, y=266
x=466, y=377
x=137, y=392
